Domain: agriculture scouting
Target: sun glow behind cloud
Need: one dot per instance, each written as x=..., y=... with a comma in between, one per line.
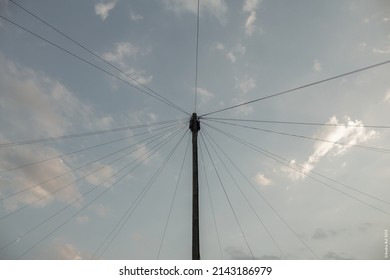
x=340, y=138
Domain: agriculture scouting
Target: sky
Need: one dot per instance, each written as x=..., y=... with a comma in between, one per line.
x=311, y=181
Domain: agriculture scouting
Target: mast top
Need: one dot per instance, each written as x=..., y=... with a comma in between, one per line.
x=194, y=123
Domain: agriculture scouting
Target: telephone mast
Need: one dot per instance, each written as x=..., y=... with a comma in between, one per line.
x=195, y=127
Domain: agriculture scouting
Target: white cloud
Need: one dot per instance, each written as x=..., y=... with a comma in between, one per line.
x=381, y=51
x=204, y=95
x=290, y=172
x=362, y=46
x=250, y=6
x=96, y=178
x=138, y=75
x=385, y=49
x=122, y=54
x=34, y=175
x=216, y=8
x=245, y=85
x=219, y=46
x=82, y=219
x=141, y=116
x=51, y=110
x=136, y=236
x=67, y=252
x=103, y=9
x=350, y=133
x=250, y=23
x=262, y=180
x=48, y=105
x=317, y=66
x=387, y=97
x=152, y=116
x=231, y=57
x=101, y=210
x=135, y=17
x=142, y=154
x=231, y=54
x=240, y=49
x=242, y=111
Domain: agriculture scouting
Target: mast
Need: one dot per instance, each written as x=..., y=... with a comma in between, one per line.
x=195, y=127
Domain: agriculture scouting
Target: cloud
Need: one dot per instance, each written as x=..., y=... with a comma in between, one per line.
x=139, y=76
x=96, y=178
x=381, y=51
x=31, y=94
x=362, y=46
x=337, y=256
x=141, y=116
x=216, y=8
x=231, y=57
x=238, y=254
x=317, y=66
x=82, y=219
x=319, y=234
x=137, y=236
x=250, y=6
x=262, y=180
x=364, y=227
x=245, y=85
x=135, y=17
x=122, y=51
x=60, y=248
x=231, y=54
x=237, y=50
x=142, y=154
x=242, y=111
x=51, y=110
x=387, y=97
x=385, y=49
x=122, y=54
x=34, y=175
x=204, y=95
x=103, y=9
x=48, y=105
x=350, y=133
x=240, y=49
x=219, y=46
x=250, y=23
x=66, y=251
x=101, y=210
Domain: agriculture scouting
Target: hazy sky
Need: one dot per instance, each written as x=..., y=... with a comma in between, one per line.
x=300, y=198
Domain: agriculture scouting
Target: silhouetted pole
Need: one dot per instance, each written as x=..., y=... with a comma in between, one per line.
x=194, y=127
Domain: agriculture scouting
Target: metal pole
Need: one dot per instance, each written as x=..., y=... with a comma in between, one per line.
x=194, y=127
